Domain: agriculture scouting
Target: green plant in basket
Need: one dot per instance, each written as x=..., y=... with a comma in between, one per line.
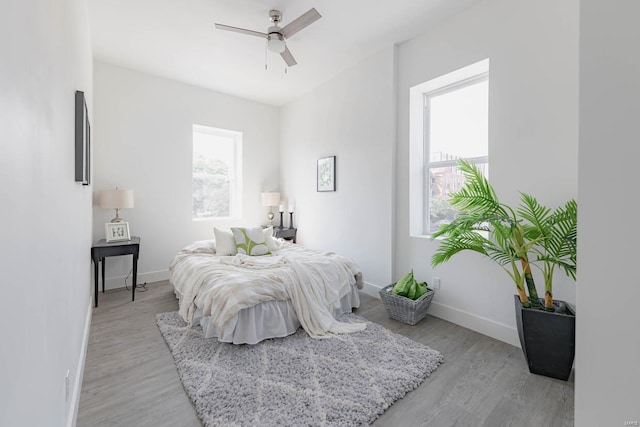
x=409, y=287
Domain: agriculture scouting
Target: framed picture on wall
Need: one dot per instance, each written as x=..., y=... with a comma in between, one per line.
x=83, y=140
x=327, y=174
x=117, y=231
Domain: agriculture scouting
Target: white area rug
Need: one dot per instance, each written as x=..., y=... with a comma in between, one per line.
x=297, y=380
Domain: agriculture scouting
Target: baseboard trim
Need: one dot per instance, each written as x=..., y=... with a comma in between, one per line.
x=371, y=290
x=77, y=384
x=488, y=327
x=118, y=282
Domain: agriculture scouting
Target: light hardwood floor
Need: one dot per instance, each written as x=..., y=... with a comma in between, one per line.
x=130, y=378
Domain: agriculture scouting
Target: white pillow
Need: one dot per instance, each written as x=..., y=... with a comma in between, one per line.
x=250, y=241
x=272, y=244
x=225, y=243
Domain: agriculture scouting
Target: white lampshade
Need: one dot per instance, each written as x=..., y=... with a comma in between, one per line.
x=270, y=199
x=276, y=43
x=116, y=199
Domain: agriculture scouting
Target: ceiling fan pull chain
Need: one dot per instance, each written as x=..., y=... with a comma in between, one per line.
x=265, y=54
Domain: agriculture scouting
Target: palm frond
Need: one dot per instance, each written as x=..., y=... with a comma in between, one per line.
x=538, y=217
x=464, y=222
x=478, y=195
x=554, y=233
x=462, y=241
x=501, y=257
x=564, y=240
x=463, y=234
x=567, y=265
x=533, y=211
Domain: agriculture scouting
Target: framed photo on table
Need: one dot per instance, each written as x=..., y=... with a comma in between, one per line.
x=327, y=174
x=117, y=231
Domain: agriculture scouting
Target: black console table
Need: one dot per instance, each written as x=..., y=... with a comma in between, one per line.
x=101, y=249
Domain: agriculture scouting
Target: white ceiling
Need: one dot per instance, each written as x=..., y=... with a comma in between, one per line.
x=177, y=39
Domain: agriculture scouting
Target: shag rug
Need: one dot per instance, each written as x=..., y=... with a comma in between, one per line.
x=348, y=380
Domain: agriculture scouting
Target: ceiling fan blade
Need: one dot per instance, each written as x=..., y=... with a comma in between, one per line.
x=241, y=30
x=288, y=57
x=300, y=22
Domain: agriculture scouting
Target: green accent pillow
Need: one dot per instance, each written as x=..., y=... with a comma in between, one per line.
x=250, y=241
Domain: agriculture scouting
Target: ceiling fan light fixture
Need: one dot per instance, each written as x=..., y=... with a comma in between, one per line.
x=277, y=37
x=276, y=43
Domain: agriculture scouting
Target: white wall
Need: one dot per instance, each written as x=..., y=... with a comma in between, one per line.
x=350, y=117
x=533, y=97
x=608, y=342
x=45, y=54
x=143, y=142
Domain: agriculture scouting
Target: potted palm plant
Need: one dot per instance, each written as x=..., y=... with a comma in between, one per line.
x=556, y=235
x=517, y=239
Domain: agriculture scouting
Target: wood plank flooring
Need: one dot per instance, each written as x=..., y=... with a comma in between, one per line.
x=130, y=378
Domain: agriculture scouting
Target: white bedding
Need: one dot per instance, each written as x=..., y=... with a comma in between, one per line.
x=219, y=287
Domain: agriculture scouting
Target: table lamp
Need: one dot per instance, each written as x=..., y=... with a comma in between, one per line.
x=270, y=199
x=116, y=199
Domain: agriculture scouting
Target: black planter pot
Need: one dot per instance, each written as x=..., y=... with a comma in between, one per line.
x=548, y=340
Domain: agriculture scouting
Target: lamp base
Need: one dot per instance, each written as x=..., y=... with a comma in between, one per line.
x=270, y=217
x=117, y=218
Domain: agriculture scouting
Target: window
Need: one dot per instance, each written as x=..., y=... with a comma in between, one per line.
x=217, y=173
x=449, y=122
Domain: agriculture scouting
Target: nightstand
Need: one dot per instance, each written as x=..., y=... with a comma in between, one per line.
x=101, y=249
x=285, y=233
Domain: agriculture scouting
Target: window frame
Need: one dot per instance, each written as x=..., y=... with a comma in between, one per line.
x=235, y=171
x=419, y=163
x=428, y=163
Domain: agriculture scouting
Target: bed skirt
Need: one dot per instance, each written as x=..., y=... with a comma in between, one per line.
x=269, y=319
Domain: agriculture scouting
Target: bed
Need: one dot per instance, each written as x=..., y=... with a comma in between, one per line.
x=245, y=299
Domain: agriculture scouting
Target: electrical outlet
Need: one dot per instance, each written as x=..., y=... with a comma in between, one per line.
x=67, y=387
x=436, y=283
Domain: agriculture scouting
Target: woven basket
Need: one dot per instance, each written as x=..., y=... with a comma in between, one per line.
x=405, y=309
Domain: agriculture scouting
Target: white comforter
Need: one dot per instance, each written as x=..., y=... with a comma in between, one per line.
x=223, y=285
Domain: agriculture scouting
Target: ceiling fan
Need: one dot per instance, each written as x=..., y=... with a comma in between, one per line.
x=276, y=36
